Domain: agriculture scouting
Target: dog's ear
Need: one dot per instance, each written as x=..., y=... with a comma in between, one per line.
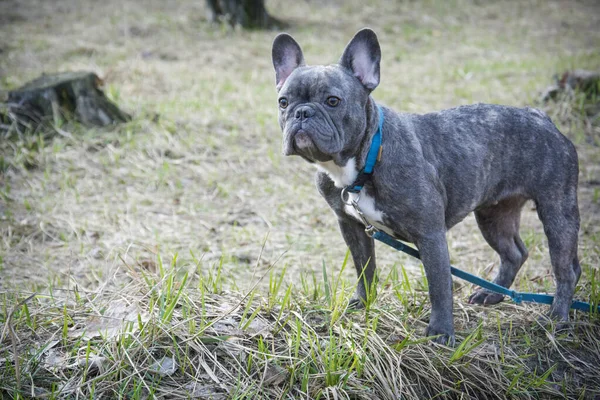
x=362, y=56
x=287, y=56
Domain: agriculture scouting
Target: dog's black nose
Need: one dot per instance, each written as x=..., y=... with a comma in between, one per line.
x=304, y=112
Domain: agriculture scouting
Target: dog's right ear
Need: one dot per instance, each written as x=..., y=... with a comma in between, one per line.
x=287, y=56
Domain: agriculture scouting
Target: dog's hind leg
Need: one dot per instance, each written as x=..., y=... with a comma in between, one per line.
x=499, y=225
x=561, y=225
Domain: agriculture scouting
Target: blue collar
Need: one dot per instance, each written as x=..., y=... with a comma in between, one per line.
x=372, y=157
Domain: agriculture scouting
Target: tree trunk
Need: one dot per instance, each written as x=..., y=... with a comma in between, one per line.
x=64, y=96
x=249, y=14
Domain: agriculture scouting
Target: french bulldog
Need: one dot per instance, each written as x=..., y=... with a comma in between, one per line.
x=433, y=171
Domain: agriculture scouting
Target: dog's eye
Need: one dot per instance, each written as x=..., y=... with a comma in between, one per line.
x=333, y=101
x=283, y=103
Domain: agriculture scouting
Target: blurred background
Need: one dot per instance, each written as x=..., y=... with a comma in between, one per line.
x=198, y=171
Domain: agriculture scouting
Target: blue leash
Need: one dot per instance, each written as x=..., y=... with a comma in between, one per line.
x=517, y=297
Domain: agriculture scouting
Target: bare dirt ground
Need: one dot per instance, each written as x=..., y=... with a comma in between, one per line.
x=199, y=172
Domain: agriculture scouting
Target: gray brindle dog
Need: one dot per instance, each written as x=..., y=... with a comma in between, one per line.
x=434, y=170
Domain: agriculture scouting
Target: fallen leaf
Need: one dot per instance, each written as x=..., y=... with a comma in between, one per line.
x=110, y=324
x=166, y=366
x=275, y=375
x=259, y=327
x=93, y=362
x=196, y=390
x=55, y=360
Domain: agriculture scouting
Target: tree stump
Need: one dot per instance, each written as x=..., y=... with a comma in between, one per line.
x=67, y=95
x=249, y=14
x=587, y=82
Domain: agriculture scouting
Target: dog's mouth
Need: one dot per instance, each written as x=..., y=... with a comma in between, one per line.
x=302, y=141
x=298, y=142
x=303, y=145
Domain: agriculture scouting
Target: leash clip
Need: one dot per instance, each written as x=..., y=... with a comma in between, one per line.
x=345, y=195
x=370, y=230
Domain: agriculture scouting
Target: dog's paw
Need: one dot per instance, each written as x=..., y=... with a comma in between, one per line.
x=356, y=303
x=560, y=321
x=559, y=311
x=442, y=336
x=485, y=297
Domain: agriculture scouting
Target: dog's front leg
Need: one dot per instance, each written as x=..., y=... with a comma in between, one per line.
x=363, y=254
x=436, y=261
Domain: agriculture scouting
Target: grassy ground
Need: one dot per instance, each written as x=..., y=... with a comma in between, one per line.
x=180, y=255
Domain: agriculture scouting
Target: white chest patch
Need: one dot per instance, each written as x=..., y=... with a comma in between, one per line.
x=341, y=176
x=366, y=205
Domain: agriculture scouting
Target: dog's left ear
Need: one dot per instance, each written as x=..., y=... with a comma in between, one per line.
x=362, y=56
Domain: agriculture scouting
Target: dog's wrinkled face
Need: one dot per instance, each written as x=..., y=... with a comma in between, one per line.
x=322, y=109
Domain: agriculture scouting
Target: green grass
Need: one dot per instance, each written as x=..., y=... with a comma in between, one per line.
x=181, y=255
x=169, y=331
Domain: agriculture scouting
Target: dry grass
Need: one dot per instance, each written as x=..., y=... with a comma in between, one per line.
x=172, y=334
x=198, y=176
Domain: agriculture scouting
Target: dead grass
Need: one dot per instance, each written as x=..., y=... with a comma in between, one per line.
x=171, y=334
x=198, y=174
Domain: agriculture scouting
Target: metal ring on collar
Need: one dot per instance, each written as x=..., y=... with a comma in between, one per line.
x=346, y=197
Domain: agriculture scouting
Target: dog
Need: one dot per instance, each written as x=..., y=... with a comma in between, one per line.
x=434, y=169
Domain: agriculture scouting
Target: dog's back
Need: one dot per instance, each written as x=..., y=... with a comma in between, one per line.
x=485, y=153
